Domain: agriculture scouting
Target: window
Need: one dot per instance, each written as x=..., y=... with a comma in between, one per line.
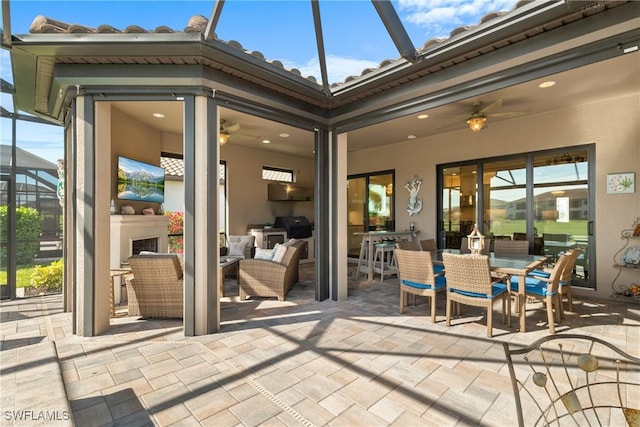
x=543, y=197
x=277, y=174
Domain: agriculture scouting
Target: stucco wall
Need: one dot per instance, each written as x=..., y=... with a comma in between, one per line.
x=612, y=125
x=247, y=191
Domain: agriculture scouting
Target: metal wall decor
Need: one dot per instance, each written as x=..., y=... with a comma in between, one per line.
x=413, y=187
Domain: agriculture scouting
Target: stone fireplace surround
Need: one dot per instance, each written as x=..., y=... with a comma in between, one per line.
x=125, y=229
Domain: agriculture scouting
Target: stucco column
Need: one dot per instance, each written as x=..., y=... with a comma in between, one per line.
x=90, y=257
x=339, y=260
x=201, y=247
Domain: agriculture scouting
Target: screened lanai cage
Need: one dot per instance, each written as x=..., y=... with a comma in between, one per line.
x=31, y=215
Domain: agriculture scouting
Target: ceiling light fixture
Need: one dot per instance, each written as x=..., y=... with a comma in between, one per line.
x=423, y=116
x=224, y=137
x=546, y=84
x=266, y=141
x=284, y=135
x=477, y=122
x=158, y=115
x=411, y=137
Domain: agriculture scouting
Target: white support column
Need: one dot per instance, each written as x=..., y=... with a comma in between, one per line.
x=339, y=208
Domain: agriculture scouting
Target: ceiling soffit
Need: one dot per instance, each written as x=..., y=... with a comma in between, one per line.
x=386, y=82
x=486, y=73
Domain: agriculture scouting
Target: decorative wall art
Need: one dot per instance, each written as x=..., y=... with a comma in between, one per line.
x=621, y=183
x=413, y=187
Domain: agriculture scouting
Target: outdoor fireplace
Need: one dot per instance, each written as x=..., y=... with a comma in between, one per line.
x=131, y=234
x=140, y=245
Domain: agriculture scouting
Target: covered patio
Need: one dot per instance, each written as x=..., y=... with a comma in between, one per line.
x=303, y=362
x=97, y=80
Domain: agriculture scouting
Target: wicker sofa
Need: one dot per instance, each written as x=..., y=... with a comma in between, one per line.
x=265, y=278
x=156, y=289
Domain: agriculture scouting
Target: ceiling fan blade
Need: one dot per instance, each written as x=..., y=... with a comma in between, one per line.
x=455, y=124
x=508, y=114
x=231, y=128
x=490, y=107
x=245, y=135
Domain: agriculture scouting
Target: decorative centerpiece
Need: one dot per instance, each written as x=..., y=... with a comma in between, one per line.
x=475, y=241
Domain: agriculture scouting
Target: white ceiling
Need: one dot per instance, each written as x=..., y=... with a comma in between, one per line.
x=604, y=80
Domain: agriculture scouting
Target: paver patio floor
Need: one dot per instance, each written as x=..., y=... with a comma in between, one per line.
x=298, y=362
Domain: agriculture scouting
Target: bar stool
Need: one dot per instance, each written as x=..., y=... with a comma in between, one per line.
x=363, y=260
x=384, y=259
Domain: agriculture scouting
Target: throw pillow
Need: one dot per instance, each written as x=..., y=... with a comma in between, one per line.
x=148, y=253
x=237, y=248
x=264, y=254
x=289, y=242
x=278, y=252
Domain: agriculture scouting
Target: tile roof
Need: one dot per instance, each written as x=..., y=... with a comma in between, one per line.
x=198, y=23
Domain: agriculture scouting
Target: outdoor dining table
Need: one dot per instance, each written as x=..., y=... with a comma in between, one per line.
x=511, y=265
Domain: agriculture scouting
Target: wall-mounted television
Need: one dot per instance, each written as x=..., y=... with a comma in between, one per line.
x=140, y=181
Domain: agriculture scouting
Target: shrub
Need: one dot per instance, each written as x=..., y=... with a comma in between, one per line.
x=176, y=230
x=28, y=228
x=48, y=277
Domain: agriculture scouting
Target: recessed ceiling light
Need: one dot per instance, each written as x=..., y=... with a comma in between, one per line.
x=411, y=137
x=423, y=116
x=158, y=115
x=546, y=84
x=266, y=141
x=284, y=135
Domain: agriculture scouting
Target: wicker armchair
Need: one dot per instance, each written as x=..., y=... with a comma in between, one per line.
x=265, y=278
x=156, y=289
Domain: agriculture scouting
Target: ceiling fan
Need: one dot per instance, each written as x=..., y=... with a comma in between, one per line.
x=226, y=130
x=478, y=118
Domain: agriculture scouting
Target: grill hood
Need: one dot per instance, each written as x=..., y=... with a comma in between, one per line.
x=283, y=192
x=298, y=227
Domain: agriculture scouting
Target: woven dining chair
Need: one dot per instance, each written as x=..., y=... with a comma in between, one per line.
x=546, y=290
x=565, y=277
x=415, y=270
x=428, y=245
x=511, y=247
x=469, y=282
x=407, y=245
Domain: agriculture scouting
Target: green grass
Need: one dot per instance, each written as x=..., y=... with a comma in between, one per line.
x=577, y=228
x=23, y=276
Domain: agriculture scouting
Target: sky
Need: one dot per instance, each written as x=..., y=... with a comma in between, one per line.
x=354, y=36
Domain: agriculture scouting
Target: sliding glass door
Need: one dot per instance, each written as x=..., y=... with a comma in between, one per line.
x=459, y=196
x=370, y=206
x=504, y=200
x=561, y=206
x=541, y=197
